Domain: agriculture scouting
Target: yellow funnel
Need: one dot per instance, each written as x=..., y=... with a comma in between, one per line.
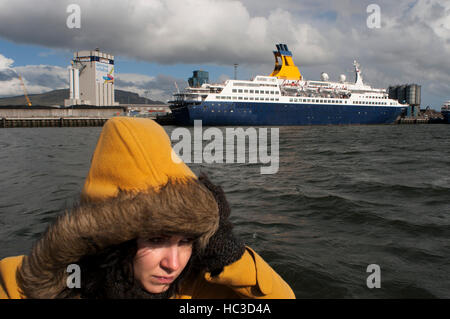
x=287, y=69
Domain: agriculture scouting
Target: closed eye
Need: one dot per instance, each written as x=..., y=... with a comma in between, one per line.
x=187, y=241
x=157, y=240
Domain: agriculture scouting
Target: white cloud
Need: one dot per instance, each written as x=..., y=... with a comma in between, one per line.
x=160, y=88
x=9, y=81
x=171, y=31
x=36, y=78
x=5, y=62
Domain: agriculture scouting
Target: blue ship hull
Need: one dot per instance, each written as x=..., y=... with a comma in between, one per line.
x=259, y=114
x=446, y=115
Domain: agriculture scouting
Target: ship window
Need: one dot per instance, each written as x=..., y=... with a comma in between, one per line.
x=295, y=100
x=240, y=98
x=245, y=91
x=229, y=97
x=245, y=98
x=256, y=91
x=271, y=98
x=256, y=98
x=240, y=91
x=267, y=92
x=234, y=98
x=251, y=98
x=290, y=100
x=272, y=92
x=267, y=99
x=251, y=91
x=277, y=99
x=234, y=90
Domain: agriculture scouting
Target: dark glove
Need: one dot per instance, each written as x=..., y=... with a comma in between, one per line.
x=223, y=247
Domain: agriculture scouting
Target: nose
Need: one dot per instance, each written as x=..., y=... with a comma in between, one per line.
x=170, y=261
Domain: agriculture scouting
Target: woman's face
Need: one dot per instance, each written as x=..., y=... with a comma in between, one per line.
x=160, y=260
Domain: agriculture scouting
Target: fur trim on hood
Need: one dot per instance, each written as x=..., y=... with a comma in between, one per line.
x=136, y=187
x=177, y=208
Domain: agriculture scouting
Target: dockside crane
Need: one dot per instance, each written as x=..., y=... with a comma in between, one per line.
x=24, y=89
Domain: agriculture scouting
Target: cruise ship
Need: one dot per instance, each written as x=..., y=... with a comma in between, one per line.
x=285, y=98
x=445, y=110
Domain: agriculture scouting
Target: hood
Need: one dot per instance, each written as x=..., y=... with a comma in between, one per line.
x=136, y=186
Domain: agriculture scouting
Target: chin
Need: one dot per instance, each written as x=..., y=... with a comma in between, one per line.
x=156, y=289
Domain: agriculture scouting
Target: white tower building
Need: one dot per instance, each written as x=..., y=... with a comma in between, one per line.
x=91, y=79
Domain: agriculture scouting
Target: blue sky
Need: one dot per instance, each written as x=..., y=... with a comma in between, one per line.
x=158, y=42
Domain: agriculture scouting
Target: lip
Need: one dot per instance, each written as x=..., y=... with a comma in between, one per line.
x=163, y=279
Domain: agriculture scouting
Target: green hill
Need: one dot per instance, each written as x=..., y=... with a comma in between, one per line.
x=57, y=97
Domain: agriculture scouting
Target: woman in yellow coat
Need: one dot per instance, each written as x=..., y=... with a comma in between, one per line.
x=146, y=227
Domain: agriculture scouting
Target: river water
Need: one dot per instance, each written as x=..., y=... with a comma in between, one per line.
x=344, y=198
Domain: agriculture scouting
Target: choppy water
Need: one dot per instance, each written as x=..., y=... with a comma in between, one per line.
x=344, y=197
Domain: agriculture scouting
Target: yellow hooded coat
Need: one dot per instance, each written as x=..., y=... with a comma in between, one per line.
x=136, y=186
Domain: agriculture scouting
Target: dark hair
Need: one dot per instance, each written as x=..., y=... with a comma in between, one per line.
x=109, y=275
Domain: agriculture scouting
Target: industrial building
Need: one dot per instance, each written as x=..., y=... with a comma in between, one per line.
x=91, y=79
x=198, y=78
x=407, y=94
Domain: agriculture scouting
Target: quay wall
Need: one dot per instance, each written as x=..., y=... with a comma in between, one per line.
x=11, y=113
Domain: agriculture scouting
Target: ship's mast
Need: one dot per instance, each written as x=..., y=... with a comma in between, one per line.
x=358, y=76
